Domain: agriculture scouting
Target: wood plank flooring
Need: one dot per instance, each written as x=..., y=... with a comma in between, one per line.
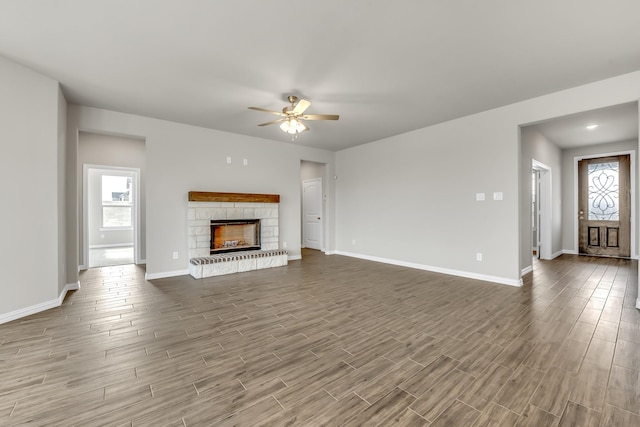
x=331, y=341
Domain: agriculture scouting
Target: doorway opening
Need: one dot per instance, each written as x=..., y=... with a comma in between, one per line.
x=535, y=213
x=541, y=210
x=313, y=206
x=110, y=213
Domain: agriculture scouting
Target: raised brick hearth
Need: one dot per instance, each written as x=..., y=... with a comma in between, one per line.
x=228, y=263
x=232, y=206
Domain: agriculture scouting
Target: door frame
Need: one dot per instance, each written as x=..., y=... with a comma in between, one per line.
x=304, y=237
x=545, y=208
x=85, y=210
x=536, y=214
x=632, y=179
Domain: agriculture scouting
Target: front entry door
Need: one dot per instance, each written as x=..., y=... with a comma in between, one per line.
x=604, y=208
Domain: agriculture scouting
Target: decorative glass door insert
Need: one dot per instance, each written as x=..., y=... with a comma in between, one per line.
x=604, y=191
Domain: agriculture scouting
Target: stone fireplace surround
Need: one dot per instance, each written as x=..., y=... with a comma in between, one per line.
x=205, y=206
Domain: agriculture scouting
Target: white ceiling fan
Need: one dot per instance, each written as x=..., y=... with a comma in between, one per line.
x=292, y=116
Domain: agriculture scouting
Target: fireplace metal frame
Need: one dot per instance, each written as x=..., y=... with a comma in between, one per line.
x=214, y=223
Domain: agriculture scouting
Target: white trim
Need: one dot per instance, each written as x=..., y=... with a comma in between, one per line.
x=81, y=268
x=572, y=252
x=556, y=254
x=111, y=245
x=545, y=206
x=37, y=308
x=165, y=274
x=108, y=229
x=68, y=287
x=27, y=311
x=632, y=179
x=467, y=274
x=143, y=262
x=330, y=252
x=294, y=257
x=526, y=270
x=638, y=303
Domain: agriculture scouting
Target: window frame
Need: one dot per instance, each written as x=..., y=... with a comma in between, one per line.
x=110, y=204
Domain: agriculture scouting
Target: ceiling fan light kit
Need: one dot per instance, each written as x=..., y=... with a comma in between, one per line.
x=292, y=126
x=292, y=121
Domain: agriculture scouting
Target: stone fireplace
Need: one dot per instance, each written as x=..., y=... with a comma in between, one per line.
x=247, y=232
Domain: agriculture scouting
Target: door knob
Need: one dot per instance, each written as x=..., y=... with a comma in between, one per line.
x=580, y=217
x=318, y=218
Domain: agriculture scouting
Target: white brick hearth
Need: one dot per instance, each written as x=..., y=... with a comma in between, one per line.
x=199, y=228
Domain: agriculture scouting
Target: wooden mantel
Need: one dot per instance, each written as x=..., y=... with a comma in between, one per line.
x=205, y=196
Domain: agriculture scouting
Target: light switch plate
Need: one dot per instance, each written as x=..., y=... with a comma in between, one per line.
x=479, y=197
x=497, y=195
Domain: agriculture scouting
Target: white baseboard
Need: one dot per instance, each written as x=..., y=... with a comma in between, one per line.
x=572, y=252
x=638, y=303
x=294, y=257
x=557, y=254
x=142, y=262
x=37, y=308
x=330, y=252
x=81, y=268
x=526, y=270
x=68, y=287
x=111, y=245
x=469, y=275
x=165, y=274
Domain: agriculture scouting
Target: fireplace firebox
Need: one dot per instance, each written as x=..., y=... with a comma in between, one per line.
x=232, y=235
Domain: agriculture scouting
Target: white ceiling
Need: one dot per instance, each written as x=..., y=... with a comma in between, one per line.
x=385, y=67
x=617, y=123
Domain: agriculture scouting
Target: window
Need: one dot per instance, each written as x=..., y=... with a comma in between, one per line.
x=604, y=191
x=116, y=202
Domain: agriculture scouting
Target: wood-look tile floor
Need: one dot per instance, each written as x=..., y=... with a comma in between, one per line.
x=331, y=341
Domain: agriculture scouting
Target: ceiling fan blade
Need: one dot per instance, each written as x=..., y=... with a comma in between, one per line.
x=302, y=105
x=303, y=125
x=277, y=113
x=321, y=117
x=272, y=122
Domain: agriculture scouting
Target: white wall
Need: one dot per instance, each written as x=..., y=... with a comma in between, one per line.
x=535, y=146
x=569, y=213
x=31, y=113
x=182, y=158
x=426, y=181
x=111, y=150
x=310, y=170
x=61, y=191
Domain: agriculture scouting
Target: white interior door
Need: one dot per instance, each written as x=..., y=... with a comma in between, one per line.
x=312, y=213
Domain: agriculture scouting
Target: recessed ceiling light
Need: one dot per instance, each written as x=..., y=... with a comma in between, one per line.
x=592, y=127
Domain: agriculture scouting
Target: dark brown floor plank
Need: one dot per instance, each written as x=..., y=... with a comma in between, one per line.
x=330, y=340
